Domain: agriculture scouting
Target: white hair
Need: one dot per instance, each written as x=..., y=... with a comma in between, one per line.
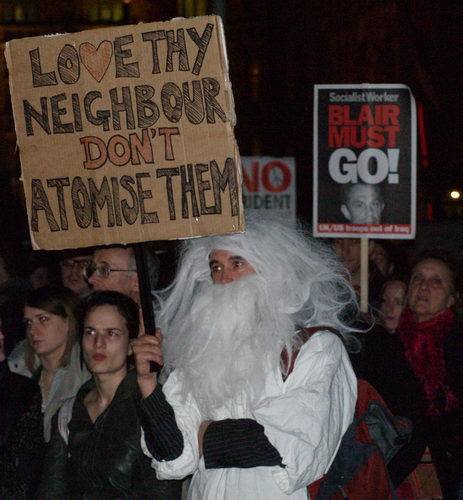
x=304, y=280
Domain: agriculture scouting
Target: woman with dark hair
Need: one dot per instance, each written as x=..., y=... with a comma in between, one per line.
x=433, y=346
x=53, y=359
x=95, y=451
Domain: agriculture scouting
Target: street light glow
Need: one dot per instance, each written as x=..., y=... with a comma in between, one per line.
x=455, y=195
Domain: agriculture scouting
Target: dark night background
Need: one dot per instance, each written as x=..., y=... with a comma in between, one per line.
x=277, y=52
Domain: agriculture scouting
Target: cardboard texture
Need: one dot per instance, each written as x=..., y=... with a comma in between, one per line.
x=126, y=134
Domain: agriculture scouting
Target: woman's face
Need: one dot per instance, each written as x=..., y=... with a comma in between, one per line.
x=105, y=341
x=431, y=289
x=393, y=301
x=47, y=333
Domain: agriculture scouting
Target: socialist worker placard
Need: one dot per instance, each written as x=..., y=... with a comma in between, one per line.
x=364, y=161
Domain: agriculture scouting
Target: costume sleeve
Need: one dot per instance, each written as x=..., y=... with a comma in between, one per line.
x=53, y=483
x=307, y=419
x=162, y=435
x=238, y=443
x=182, y=460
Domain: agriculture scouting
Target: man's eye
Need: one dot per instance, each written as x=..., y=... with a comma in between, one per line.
x=89, y=331
x=238, y=263
x=43, y=319
x=113, y=333
x=215, y=269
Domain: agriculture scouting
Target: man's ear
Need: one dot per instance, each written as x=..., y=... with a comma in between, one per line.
x=345, y=212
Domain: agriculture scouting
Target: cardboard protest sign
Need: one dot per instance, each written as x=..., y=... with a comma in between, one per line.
x=364, y=161
x=269, y=184
x=126, y=134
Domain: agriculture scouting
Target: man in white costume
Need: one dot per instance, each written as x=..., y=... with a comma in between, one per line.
x=249, y=408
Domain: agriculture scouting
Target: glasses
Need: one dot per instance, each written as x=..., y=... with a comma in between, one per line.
x=72, y=263
x=102, y=271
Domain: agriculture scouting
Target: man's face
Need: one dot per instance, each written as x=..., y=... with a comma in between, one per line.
x=431, y=289
x=123, y=277
x=348, y=252
x=72, y=273
x=227, y=267
x=364, y=205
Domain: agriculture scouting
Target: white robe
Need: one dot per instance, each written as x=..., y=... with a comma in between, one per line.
x=304, y=417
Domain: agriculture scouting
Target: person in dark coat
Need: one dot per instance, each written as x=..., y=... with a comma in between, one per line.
x=16, y=399
x=95, y=451
x=432, y=341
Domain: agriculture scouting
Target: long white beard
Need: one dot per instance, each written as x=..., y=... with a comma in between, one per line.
x=227, y=344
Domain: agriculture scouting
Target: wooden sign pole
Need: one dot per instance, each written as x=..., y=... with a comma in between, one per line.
x=364, y=274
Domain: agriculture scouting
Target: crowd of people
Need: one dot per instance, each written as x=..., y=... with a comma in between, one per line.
x=261, y=344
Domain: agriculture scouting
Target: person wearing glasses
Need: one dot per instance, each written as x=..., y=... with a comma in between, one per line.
x=72, y=267
x=114, y=268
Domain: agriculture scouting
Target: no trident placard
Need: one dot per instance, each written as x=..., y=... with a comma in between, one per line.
x=126, y=134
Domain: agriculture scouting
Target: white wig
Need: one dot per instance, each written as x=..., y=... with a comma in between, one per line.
x=303, y=276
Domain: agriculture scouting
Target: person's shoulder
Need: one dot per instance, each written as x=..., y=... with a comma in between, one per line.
x=453, y=343
x=323, y=352
x=83, y=390
x=323, y=339
x=16, y=386
x=17, y=359
x=457, y=328
x=75, y=369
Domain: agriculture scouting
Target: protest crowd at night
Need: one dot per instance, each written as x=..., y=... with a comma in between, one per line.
x=172, y=327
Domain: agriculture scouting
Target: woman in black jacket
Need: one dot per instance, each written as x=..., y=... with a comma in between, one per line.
x=432, y=342
x=95, y=451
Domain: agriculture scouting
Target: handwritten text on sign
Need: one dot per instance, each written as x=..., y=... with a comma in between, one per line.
x=133, y=130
